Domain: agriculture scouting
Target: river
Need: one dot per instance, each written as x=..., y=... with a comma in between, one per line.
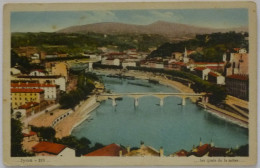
x=171, y=126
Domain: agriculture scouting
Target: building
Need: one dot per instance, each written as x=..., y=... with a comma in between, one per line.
x=37, y=72
x=238, y=86
x=52, y=149
x=180, y=153
x=30, y=136
x=145, y=151
x=176, y=66
x=202, y=72
x=109, y=150
x=215, y=66
x=110, y=61
x=15, y=71
x=26, y=110
x=51, y=91
x=201, y=150
x=216, y=78
x=237, y=62
x=126, y=64
x=50, y=79
x=177, y=56
x=22, y=96
x=60, y=69
x=217, y=152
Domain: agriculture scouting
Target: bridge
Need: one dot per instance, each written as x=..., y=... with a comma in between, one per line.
x=161, y=96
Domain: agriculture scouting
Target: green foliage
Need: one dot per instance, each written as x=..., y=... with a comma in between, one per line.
x=85, y=86
x=23, y=63
x=214, y=45
x=242, y=150
x=46, y=133
x=16, y=139
x=82, y=145
x=73, y=43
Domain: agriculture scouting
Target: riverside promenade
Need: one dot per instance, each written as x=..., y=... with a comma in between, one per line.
x=66, y=125
x=80, y=114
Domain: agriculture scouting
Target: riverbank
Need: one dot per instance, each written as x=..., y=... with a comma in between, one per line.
x=221, y=113
x=80, y=114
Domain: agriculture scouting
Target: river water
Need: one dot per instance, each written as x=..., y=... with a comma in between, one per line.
x=171, y=126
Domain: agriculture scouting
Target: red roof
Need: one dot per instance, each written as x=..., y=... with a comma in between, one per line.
x=31, y=85
x=239, y=77
x=209, y=63
x=200, y=68
x=178, y=63
x=28, y=105
x=236, y=49
x=27, y=90
x=202, y=150
x=48, y=147
x=213, y=74
x=39, y=70
x=182, y=153
x=109, y=150
x=31, y=133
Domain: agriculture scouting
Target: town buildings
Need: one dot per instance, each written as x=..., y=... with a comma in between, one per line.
x=26, y=110
x=22, y=96
x=109, y=150
x=52, y=149
x=238, y=86
x=50, y=79
x=51, y=91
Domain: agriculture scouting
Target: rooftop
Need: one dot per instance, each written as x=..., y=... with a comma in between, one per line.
x=199, y=68
x=31, y=85
x=27, y=90
x=109, y=150
x=48, y=147
x=239, y=77
x=144, y=151
x=47, y=77
x=31, y=133
x=213, y=74
x=28, y=105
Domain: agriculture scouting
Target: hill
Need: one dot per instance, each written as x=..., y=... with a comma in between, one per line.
x=174, y=31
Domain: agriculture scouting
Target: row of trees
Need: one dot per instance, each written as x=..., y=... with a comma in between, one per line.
x=85, y=86
x=74, y=43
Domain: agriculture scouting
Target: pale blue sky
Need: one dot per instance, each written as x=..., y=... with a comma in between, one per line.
x=50, y=21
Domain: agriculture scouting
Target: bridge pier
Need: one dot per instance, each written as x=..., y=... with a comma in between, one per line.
x=90, y=66
x=136, y=102
x=161, y=102
x=205, y=99
x=183, y=101
x=114, y=102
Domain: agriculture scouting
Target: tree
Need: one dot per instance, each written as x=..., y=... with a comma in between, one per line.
x=46, y=133
x=16, y=139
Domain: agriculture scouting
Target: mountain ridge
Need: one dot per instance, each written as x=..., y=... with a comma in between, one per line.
x=167, y=29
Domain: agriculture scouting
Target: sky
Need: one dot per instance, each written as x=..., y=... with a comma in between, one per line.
x=50, y=21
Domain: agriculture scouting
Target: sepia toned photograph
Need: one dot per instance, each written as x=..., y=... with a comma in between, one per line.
x=130, y=84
